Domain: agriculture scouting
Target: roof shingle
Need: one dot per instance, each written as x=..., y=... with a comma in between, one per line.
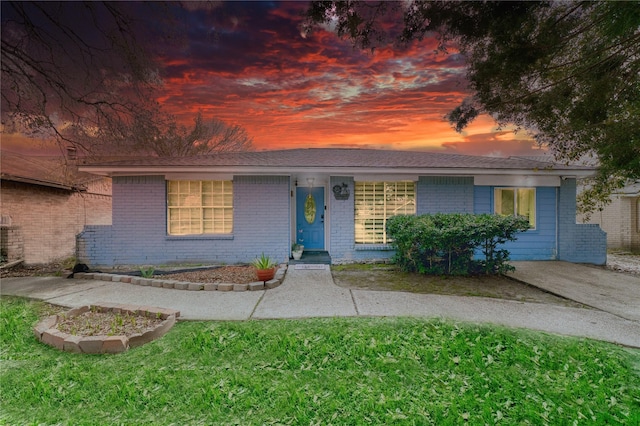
x=337, y=157
x=44, y=171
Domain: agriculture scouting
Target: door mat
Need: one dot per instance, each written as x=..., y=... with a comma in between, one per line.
x=305, y=266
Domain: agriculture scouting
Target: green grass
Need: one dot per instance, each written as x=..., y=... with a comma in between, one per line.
x=318, y=371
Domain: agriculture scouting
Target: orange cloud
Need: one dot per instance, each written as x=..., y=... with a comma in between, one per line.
x=291, y=91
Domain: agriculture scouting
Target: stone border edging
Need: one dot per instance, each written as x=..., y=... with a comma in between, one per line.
x=185, y=285
x=47, y=333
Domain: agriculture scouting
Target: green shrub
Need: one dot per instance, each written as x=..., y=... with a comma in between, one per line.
x=454, y=243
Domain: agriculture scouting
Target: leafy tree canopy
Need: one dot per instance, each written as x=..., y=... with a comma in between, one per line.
x=568, y=72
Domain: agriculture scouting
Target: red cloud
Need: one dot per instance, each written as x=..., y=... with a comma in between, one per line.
x=289, y=91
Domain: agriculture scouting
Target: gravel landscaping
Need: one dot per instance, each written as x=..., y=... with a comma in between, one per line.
x=223, y=274
x=624, y=262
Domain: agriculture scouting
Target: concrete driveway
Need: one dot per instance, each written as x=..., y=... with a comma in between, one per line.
x=609, y=291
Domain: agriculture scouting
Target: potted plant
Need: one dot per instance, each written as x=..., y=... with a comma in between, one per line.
x=265, y=267
x=296, y=250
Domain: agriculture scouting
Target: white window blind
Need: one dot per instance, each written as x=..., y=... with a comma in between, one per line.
x=375, y=202
x=199, y=207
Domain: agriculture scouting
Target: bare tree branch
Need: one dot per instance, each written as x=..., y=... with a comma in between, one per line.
x=72, y=63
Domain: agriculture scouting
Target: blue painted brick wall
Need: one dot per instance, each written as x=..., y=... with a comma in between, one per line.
x=139, y=231
x=575, y=242
x=434, y=194
x=534, y=244
x=341, y=216
x=94, y=245
x=579, y=243
x=444, y=194
x=262, y=211
x=139, y=219
x=262, y=224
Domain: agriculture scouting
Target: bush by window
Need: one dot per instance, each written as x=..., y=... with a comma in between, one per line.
x=454, y=243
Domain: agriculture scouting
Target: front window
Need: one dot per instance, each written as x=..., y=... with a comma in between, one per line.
x=516, y=201
x=199, y=207
x=375, y=202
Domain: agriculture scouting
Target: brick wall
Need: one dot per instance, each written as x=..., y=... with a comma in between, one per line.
x=445, y=194
x=619, y=220
x=11, y=243
x=94, y=245
x=579, y=243
x=434, y=194
x=341, y=216
x=262, y=223
x=50, y=218
x=534, y=244
x=139, y=231
x=634, y=233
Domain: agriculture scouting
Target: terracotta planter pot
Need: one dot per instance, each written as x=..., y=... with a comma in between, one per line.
x=265, y=274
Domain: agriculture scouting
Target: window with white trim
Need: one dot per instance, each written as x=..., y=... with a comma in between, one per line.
x=516, y=201
x=199, y=207
x=375, y=202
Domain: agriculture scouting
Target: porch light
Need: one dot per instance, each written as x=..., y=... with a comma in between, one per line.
x=310, y=181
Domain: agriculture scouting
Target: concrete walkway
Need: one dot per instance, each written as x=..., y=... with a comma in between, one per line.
x=306, y=294
x=312, y=293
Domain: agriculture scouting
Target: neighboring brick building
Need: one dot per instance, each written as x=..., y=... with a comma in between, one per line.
x=621, y=219
x=44, y=203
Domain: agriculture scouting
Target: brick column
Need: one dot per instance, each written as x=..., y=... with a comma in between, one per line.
x=12, y=243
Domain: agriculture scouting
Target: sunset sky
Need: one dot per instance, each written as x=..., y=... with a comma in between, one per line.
x=247, y=63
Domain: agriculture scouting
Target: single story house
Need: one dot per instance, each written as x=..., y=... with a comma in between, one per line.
x=45, y=203
x=231, y=207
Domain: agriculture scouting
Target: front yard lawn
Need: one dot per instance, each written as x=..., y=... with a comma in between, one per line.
x=318, y=371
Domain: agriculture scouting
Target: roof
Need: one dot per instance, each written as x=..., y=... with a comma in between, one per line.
x=335, y=161
x=44, y=171
x=632, y=189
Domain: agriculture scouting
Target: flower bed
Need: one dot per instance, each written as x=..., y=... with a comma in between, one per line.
x=200, y=278
x=107, y=328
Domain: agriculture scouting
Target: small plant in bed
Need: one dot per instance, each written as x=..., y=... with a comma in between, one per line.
x=147, y=271
x=265, y=267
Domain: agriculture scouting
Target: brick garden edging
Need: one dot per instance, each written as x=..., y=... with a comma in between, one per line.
x=47, y=333
x=183, y=285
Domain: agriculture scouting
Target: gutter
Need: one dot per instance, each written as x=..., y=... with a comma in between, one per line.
x=39, y=182
x=335, y=171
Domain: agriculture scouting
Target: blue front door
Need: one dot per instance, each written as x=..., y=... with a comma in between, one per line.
x=310, y=217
